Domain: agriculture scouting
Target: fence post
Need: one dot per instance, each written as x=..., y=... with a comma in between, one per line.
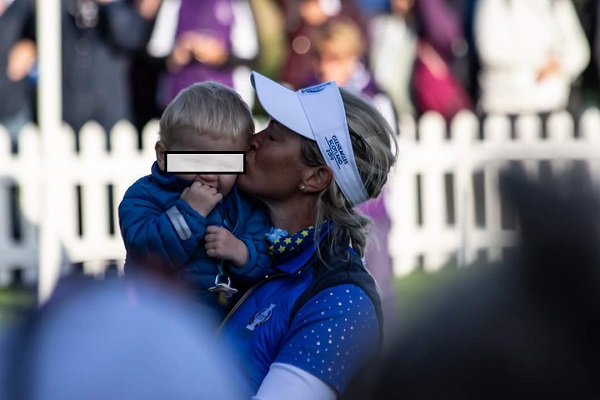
x=465, y=130
x=48, y=23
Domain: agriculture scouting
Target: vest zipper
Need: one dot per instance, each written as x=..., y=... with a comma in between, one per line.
x=245, y=296
x=307, y=264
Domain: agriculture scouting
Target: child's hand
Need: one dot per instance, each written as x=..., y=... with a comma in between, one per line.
x=223, y=245
x=201, y=198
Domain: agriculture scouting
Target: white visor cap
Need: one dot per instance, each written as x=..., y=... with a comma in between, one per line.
x=318, y=114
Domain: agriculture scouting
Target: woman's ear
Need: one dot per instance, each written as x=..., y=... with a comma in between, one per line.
x=318, y=179
x=160, y=149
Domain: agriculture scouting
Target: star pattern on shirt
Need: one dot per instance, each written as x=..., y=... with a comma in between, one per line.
x=334, y=334
x=290, y=242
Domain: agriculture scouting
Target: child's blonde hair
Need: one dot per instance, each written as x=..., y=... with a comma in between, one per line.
x=206, y=108
x=342, y=35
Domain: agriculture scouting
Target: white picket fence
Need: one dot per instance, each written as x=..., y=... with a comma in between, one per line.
x=89, y=184
x=444, y=197
x=443, y=193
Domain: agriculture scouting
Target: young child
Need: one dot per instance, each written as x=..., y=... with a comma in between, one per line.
x=197, y=227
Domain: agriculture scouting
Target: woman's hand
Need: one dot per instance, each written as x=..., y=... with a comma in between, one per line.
x=223, y=245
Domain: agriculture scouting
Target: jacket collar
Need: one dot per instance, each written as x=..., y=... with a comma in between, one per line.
x=168, y=180
x=304, y=256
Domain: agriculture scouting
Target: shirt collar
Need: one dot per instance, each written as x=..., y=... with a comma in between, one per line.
x=301, y=257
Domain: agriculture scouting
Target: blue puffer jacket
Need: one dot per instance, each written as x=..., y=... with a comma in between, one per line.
x=160, y=229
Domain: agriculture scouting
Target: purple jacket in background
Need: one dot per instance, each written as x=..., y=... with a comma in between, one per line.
x=211, y=17
x=441, y=22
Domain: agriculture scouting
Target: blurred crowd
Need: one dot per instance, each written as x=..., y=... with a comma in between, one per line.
x=126, y=59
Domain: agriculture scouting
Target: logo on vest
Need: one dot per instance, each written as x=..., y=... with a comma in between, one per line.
x=260, y=317
x=335, y=151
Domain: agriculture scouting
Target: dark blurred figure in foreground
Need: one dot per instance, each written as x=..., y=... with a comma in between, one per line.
x=526, y=328
x=115, y=340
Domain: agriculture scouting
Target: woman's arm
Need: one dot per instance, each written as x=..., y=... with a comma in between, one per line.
x=332, y=337
x=295, y=383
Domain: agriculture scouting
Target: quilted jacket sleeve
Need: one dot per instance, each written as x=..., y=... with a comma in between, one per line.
x=253, y=235
x=153, y=234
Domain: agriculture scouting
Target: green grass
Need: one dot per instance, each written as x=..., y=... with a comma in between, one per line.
x=414, y=290
x=412, y=293
x=13, y=301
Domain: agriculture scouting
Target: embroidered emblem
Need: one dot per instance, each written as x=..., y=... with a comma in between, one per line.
x=260, y=317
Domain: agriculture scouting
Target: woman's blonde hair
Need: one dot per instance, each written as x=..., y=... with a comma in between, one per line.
x=206, y=108
x=374, y=146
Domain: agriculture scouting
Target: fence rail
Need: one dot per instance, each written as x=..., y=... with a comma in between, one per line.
x=443, y=193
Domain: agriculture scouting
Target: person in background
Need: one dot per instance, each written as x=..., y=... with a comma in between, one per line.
x=315, y=321
x=214, y=40
x=418, y=55
x=197, y=228
x=530, y=53
x=393, y=52
x=149, y=64
x=303, y=18
x=99, y=38
x=443, y=25
x=17, y=59
x=340, y=51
